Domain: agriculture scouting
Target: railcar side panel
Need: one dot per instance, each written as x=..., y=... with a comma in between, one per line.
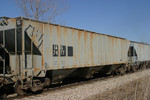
x=89, y=49
x=34, y=53
x=51, y=47
x=143, y=51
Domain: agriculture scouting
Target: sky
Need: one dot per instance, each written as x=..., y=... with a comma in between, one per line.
x=128, y=19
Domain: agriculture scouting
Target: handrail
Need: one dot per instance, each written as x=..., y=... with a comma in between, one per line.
x=4, y=48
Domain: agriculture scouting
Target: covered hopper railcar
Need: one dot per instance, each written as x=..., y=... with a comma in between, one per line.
x=35, y=54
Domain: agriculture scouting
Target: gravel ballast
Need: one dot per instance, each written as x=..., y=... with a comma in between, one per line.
x=88, y=90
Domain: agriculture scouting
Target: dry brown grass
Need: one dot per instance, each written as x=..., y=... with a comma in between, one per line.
x=136, y=90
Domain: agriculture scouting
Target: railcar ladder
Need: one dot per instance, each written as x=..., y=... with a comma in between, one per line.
x=3, y=59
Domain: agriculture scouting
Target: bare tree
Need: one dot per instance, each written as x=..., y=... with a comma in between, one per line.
x=45, y=10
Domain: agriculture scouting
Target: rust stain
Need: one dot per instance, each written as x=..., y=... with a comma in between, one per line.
x=88, y=45
x=140, y=50
x=37, y=69
x=116, y=50
x=91, y=43
x=85, y=44
x=26, y=70
x=74, y=57
x=33, y=37
x=65, y=35
x=42, y=49
x=13, y=20
x=85, y=37
x=101, y=47
x=51, y=52
x=66, y=42
x=42, y=28
x=121, y=50
x=65, y=38
x=58, y=39
x=75, y=66
x=79, y=35
x=113, y=53
x=106, y=49
x=127, y=49
x=65, y=31
x=42, y=58
x=79, y=47
x=110, y=50
x=58, y=32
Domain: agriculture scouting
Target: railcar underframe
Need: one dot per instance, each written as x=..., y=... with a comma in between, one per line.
x=20, y=52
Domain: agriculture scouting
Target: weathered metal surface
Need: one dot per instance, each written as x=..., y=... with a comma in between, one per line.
x=49, y=44
x=143, y=51
x=89, y=49
x=31, y=49
x=46, y=47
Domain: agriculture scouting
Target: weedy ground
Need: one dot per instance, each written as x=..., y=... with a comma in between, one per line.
x=135, y=90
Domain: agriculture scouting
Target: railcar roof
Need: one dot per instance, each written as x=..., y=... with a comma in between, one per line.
x=141, y=43
x=24, y=18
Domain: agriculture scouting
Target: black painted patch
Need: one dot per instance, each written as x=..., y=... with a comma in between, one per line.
x=62, y=50
x=70, y=51
x=1, y=37
x=55, y=50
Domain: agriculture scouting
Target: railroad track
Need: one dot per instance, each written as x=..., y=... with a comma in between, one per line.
x=63, y=86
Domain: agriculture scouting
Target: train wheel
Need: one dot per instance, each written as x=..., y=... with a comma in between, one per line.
x=47, y=83
x=19, y=89
x=120, y=71
x=37, y=86
x=133, y=68
x=117, y=72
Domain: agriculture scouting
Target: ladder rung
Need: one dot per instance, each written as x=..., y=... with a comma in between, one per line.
x=1, y=59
